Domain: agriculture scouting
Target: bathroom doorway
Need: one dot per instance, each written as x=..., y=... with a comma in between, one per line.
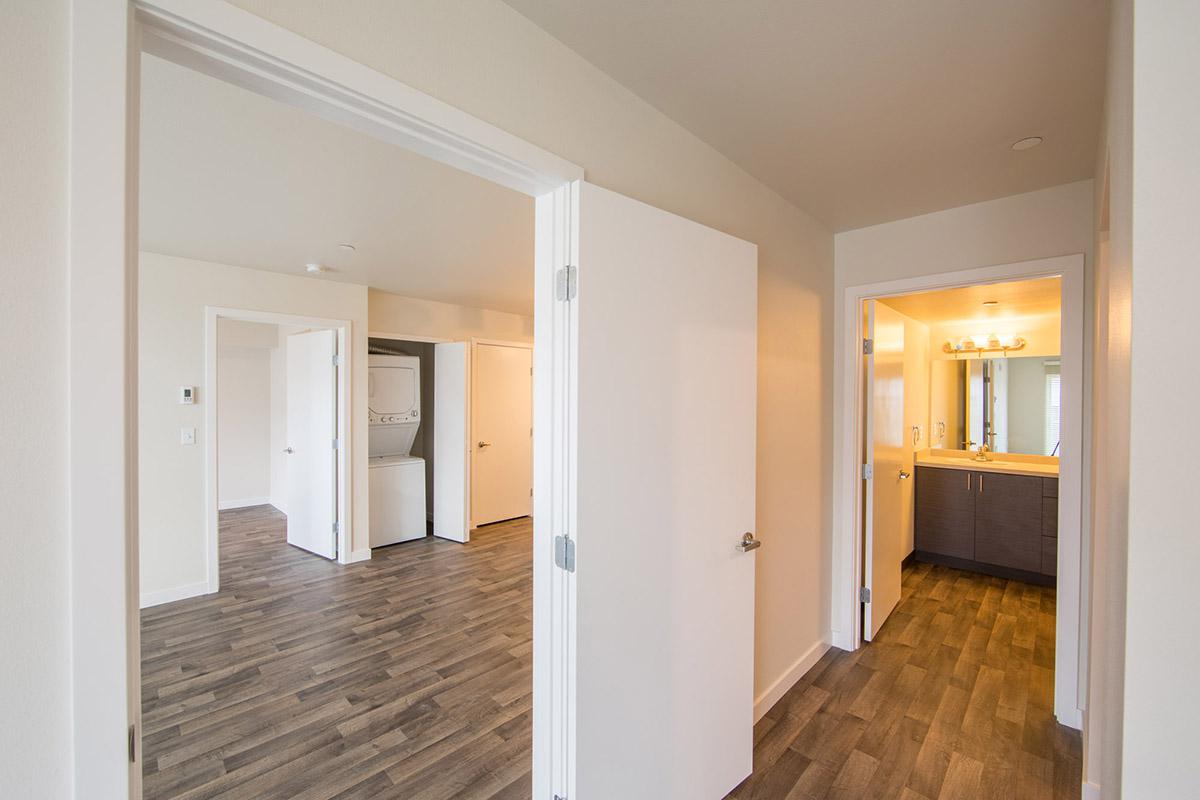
x=897, y=441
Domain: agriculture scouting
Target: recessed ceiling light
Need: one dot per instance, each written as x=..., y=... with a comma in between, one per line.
x=316, y=269
x=349, y=248
x=991, y=302
x=1027, y=143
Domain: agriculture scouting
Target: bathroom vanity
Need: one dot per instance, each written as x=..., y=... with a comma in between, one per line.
x=996, y=517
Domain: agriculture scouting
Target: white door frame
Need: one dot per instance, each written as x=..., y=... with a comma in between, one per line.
x=848, y=426
x=472, y=361
x=106, y=42
x=212, y=317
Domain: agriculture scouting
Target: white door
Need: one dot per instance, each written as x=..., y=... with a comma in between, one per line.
x=886, y=448
x=311, y=431
x=663, y=630
x=502, y=427
x=451, y=450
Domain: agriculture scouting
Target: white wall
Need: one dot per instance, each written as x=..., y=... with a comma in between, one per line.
x=244, y=405
x=393, y=313
x=1162, y=653
x=173, y=293
x=485, y=58
x=35, y=739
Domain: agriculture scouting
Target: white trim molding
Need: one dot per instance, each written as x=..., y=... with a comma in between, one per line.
x=846, y=621
x=149, y=599
x=775, y=692
x=245, y=502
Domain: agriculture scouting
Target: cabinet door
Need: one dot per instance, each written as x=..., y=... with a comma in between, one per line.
x=1008, y=521
x=945, y=512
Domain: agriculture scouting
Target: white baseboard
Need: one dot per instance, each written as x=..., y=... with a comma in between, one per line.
x=359, y=555
x=788, y=679
x=841, y=640
x=1072, y=718
x=149, y=599
x=1091, y=791
x=225, y=505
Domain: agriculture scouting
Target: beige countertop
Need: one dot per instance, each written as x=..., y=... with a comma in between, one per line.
x=1036, y=469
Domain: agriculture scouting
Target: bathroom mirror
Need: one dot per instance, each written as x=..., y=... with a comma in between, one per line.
x=1011, y=404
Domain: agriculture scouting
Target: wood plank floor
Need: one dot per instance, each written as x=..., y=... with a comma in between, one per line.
x=407, y=676
x=953, y=700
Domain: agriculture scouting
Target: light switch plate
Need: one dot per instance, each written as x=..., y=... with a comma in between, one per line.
x=187, y=435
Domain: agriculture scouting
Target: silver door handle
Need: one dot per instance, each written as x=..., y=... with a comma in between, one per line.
x=485, y=444
x=748, y=543
x=905, y=475
x=288, y=450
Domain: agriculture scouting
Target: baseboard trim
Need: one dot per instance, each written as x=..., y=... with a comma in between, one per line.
x=1073, y=718
x=226, y=505
x=149, y=599
x=359, y=555
x=788, y=679
x=1091, y=791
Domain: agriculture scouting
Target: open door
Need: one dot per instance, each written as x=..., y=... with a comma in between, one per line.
x=502, y=430
x=663, y=666
x=450, y=446
x=885, y=455
x=311, y=434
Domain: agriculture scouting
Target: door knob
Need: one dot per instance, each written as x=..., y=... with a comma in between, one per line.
x=748, y=543
x=288, y=450
x=485, y=444
x=905, y=475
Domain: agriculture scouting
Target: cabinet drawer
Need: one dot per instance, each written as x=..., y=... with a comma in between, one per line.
x=1050, y=516
x=1049, y=556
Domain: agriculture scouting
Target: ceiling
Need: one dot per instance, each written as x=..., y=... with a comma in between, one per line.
x=861, y=111
x=233, y=177
x=1041, y=297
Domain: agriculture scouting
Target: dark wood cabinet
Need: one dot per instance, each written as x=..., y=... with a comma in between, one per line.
x=1008, y=521
x=989, y=521
x=945, y=512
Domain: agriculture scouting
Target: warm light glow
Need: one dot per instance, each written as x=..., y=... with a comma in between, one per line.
x=983, y=343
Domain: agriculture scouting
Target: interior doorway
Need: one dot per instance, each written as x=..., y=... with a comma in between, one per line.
x=596, y=384
x=920, y=442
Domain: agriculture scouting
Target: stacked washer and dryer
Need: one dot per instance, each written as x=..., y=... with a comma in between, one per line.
x=397, y=478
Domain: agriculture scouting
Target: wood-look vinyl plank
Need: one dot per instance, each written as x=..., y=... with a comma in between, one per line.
x=307, y=680
x=953, y=699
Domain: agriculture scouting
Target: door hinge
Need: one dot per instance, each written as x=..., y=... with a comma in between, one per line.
x=337, y=444
x=864, y=595
x=337, y=526
x=132, y=744
x=868, y=472
x=868, y=346
x=566, y=283
x=564, y=553
x=337, y=360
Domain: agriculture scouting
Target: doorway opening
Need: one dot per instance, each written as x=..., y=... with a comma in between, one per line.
x=967, y=460
x=355, y=621
x=962, y=421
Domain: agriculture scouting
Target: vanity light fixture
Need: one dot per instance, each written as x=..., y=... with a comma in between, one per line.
x=979, y=345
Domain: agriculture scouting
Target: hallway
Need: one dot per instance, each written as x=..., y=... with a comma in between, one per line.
x=953, y=700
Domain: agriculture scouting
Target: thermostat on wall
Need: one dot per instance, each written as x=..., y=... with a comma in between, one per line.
x=187, y=395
